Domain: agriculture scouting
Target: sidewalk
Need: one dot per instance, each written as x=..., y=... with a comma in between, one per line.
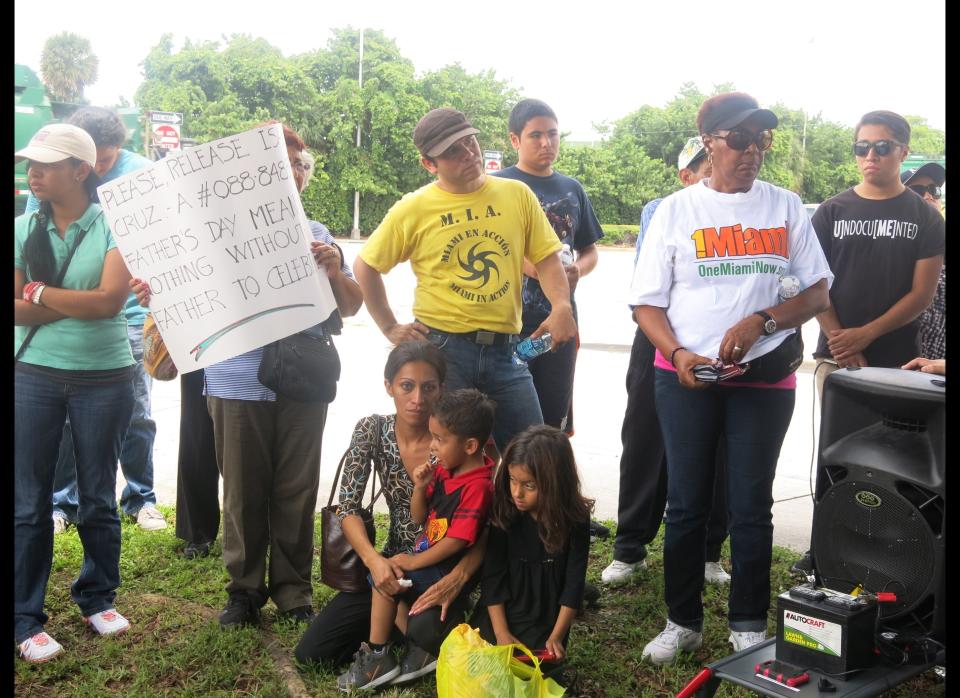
x=599, y=399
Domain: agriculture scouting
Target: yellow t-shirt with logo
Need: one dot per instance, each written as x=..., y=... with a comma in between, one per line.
x=466, y=251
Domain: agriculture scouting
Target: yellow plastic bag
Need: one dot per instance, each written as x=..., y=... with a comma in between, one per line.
x=470, y=667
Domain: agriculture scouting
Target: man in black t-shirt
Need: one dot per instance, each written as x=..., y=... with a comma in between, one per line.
x=534, y=133
x=885, y=247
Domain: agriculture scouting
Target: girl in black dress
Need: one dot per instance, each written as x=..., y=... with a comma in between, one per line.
x=536, y=561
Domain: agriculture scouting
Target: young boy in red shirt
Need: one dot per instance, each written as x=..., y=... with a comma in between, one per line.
x=451, y=497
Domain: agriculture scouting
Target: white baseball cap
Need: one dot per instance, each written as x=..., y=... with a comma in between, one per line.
x=56, y=142
x=691, y=150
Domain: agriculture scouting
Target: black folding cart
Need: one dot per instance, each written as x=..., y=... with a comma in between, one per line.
x=740, y=668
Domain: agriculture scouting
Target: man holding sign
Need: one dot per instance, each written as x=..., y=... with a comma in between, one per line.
x=268, y=446
x=466, y=236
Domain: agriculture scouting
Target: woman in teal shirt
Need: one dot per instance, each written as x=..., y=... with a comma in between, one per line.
x=72, y=359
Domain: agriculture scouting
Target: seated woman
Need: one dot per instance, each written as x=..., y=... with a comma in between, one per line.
x=413, y=377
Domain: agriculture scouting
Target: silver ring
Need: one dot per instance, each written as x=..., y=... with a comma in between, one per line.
x=738, y=348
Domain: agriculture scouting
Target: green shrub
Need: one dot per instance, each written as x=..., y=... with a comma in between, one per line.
x=620, y=234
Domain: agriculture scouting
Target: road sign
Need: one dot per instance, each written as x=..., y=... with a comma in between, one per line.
x=492, y=160
x=165, y=117
x=166, y=136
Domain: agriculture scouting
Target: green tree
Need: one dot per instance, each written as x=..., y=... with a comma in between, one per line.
x=67, y=65
x=925, y=140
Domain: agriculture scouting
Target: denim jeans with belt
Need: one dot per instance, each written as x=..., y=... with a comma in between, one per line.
x=100, y=415
x=754, y=421
x=492, y=371
x=136, y=455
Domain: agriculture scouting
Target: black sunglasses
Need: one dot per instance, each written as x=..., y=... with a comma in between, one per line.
x=862, y=148
x=922, y=189
x=741, y=140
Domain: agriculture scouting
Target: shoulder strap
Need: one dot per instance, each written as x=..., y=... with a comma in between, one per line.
x=373, y=467
x=57, y=283
x=373, y=470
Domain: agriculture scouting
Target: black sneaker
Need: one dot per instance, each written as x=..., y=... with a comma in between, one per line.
x=804, y=565
x=240, y=611
x=195, y=550
x=369, y=669
x=598, y=531
x=300, y=614
x=415, y=663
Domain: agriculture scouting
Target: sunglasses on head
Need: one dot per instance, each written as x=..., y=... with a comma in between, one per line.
x=921, y=189
x=882, y=148
x=741, y=140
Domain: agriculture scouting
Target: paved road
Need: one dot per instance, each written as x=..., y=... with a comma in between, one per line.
x=606, y=332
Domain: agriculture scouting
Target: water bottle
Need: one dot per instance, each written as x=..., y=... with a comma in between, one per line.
x=531, y=348
x=566, y=255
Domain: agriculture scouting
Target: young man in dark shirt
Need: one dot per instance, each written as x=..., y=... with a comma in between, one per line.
x=885, y=247
x=534, y=134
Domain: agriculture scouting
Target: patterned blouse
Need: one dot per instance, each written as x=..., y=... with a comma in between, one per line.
x=391, y=475
x=933, y=322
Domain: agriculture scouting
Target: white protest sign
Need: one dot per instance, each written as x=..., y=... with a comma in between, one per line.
x=219, y=234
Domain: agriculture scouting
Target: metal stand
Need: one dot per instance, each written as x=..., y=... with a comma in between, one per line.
x=739, y=669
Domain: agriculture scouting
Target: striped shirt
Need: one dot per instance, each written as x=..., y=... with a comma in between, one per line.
x=236, y=378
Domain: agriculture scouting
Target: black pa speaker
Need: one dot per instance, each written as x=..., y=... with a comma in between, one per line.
x=879, y=517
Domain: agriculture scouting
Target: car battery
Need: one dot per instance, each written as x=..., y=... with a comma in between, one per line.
x=826, y=630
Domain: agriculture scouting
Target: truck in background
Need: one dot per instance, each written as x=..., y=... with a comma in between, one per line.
x=32, y=109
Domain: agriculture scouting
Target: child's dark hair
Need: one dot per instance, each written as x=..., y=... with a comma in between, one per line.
x=467, y=413
x=561, y=507
x=104, y=126
x=407, y=352
x=899, y=127
x=525, y=110
x=37, y=250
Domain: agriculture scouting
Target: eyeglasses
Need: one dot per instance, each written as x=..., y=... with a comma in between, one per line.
x=921, y=189
x=301, y=166
x=741, y=140
x=882, y=148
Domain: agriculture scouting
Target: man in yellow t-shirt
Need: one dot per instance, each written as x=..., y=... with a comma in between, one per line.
x=466, y=236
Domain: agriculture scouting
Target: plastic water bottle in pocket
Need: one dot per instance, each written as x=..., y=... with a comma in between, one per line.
x=531, y=348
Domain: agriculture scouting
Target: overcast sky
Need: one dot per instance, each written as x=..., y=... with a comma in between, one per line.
x=592, y=60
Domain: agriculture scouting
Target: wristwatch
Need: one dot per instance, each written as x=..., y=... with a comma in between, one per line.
x=769, y=324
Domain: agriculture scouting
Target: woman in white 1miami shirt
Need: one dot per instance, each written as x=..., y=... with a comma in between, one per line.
x=706, y=286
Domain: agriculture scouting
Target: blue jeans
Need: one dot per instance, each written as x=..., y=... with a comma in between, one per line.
x=100, y=415
x=491, y=370
x=136, y=456
x=754, y=421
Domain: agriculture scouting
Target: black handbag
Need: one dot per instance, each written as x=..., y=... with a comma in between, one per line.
x=303, y=367
x=776, y=365
x=340, y=566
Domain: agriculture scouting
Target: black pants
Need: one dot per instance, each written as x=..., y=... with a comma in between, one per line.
x=198, y=504
x=553, y=374
x=643, y=467
x=344, y=622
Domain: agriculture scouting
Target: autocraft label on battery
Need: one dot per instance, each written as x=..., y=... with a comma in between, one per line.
x=812, y=633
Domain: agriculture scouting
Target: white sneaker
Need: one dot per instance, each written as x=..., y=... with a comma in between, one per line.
x=149, y=518
x=745, y=639
x=40, y=648
x=713, y=573
x=107, y=622
x=664, y=647
x=617, y=572
x=60, y=524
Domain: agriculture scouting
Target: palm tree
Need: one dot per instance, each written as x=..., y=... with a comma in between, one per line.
x=67, y=65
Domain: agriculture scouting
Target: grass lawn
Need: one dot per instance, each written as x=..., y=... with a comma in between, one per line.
x=175, y=645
